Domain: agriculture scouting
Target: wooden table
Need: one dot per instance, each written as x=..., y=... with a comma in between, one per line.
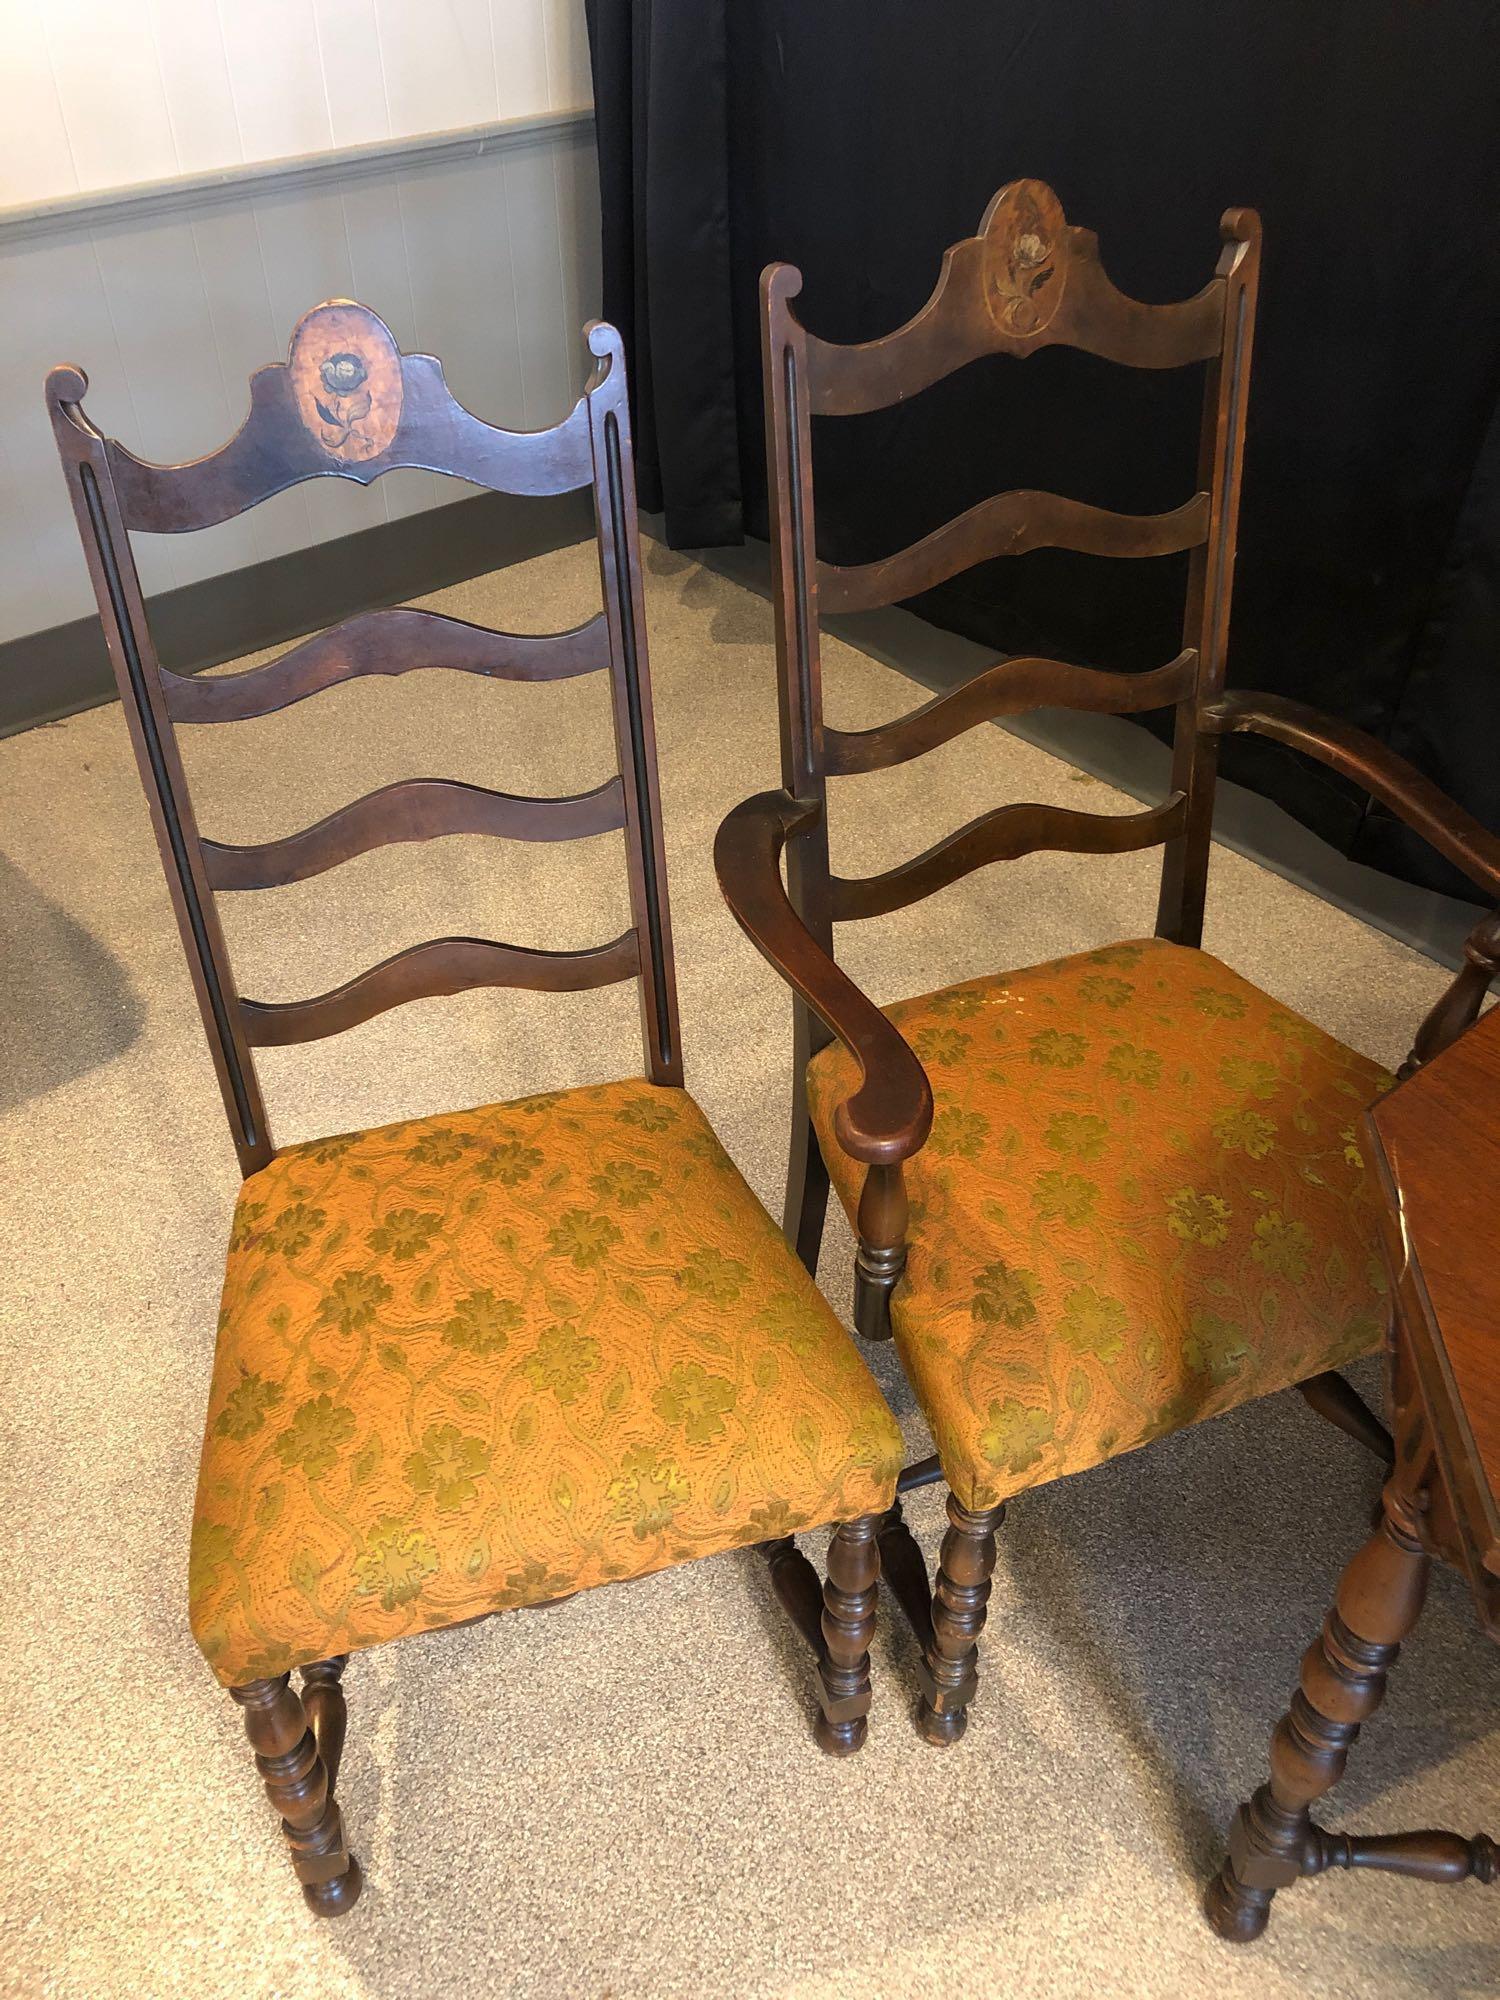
x=1434, y=1144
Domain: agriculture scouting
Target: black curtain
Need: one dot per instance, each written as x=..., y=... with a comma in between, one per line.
x=857, y=138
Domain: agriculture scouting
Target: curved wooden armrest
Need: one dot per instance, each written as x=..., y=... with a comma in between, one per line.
x=1416, y=800
x=888, y=1117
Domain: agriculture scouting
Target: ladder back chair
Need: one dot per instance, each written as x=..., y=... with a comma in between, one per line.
x=1104, y=1198
x=489, y=1358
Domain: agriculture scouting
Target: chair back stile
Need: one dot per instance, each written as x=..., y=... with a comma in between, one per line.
x=348, y=404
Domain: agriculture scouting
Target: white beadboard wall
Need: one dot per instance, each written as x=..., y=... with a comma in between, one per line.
x=487, y=255
x=118, y=93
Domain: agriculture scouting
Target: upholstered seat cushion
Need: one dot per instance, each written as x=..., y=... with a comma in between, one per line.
x=1142, y=1203
x=494, y=1357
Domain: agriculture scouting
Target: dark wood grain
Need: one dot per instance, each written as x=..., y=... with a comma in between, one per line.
x=300, y=1790
x=441, y=966
x=413, y=809
x=1003, y=835
x=888, y=1117
x=1436, y=1147
x=281, y=443
x=1010, y=687
x=1415, y=799
x=1009, y=524
x=394, y=640
x=348, y=404
x=1028, y=280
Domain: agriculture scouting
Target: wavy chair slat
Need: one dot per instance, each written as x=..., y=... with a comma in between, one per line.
x=397, y=640
x=1028, y=280
x=1010, y=687
x=425, y=971
x=347, y=404
x=413, y=809
x=1003, y=835
x=1010, y=524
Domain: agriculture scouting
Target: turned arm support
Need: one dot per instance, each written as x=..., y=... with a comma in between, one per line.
x=887, y=1118
x=1419, y=804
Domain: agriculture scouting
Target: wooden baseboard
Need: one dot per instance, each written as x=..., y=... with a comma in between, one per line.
x=46, y=675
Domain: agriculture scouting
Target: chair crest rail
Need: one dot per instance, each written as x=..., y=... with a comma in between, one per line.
x=1027, y=280
x=345, y=404
x=396, y=640
x=412, y=809
x=425, y=971
x=1010, y=687
x=1003, y=835
x=1010, y=524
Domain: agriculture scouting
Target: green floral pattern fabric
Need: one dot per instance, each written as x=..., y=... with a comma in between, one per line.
x=1141, y=1204
x=490, y=1358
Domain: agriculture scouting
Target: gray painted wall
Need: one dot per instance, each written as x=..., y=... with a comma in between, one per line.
x=487, y=256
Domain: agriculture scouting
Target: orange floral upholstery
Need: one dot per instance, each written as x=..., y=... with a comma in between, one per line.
x=490, y=1358
x=1142, y=1203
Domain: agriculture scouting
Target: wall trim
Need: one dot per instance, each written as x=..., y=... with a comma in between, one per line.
x=47, y=675
x=343, y=164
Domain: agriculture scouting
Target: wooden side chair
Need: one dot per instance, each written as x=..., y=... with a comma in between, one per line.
x=493, y=1357
x=1100, y=1199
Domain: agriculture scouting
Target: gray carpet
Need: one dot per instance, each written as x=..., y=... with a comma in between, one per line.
x=620, y=1799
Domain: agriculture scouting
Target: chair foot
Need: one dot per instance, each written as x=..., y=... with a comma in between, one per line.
x=285, y=1736
x=949, y=1673
x=335, y=1898
x=849, y=1595
x=1238, y=1915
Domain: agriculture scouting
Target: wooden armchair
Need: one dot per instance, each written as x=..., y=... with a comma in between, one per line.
x=493, y=1357
x=1100, y=1199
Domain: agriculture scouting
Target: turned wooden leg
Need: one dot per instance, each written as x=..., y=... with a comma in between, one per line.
x=849, y=1593
x=1340, y=1404
x=287, y=1754
x=960, y=1599
x=1343, y=1680
x=880, y=1253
